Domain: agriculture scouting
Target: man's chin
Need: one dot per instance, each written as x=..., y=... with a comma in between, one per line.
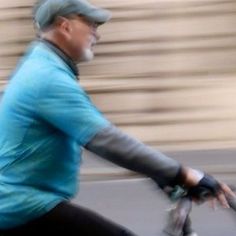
x=87, y=55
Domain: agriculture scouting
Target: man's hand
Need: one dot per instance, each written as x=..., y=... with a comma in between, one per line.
x=203, y=187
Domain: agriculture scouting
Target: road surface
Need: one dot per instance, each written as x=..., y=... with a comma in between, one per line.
x=137, y=204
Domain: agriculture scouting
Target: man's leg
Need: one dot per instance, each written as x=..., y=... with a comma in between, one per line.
x=70, y=219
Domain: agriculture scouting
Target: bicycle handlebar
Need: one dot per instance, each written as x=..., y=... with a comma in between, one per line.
x=179, y=222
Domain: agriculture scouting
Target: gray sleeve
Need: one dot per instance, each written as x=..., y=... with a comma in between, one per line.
x=114, y=145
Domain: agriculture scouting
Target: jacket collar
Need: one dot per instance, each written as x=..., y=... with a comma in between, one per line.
x=62, y=55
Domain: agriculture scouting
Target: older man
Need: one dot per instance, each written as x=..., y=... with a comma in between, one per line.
x=46, y=118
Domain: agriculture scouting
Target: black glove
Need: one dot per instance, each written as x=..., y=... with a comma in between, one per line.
x=207, y=187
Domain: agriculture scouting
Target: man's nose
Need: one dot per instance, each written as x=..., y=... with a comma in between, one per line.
x=95, y=33
x=97, y=36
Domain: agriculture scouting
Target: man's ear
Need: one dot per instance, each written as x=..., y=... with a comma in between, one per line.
x=63, y=24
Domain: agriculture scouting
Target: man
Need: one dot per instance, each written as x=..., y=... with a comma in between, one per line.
x=46, y=118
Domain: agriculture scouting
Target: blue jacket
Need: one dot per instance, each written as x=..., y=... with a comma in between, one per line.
x=45, y=120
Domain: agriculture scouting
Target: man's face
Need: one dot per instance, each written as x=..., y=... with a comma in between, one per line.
x=83, y=37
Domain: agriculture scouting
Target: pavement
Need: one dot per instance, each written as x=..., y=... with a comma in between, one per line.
x=136, y=203
x=139, y=206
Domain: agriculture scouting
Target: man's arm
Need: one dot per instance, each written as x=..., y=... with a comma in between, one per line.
x=114, y=145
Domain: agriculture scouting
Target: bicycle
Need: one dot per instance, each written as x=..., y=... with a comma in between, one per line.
x=179, y=222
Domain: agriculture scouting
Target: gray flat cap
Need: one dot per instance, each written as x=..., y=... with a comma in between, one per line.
x=45, y=11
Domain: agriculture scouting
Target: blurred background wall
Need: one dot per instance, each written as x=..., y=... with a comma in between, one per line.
x=164, y=70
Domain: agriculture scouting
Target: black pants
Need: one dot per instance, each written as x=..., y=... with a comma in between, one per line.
x=68, y=219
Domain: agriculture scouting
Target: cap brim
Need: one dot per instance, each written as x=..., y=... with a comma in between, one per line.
x=99, y=15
